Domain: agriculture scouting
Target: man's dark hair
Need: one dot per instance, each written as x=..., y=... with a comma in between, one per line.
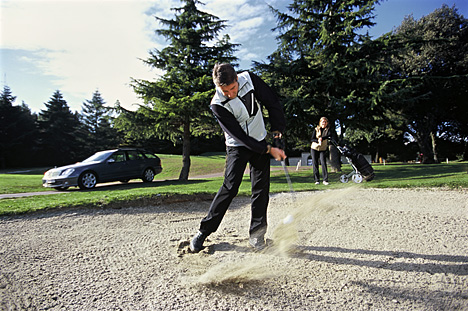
x=224, y=74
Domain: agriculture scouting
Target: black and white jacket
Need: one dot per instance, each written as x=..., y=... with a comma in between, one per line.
x=241, y=118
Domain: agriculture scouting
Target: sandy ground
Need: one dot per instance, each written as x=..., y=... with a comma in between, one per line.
x=344, y=250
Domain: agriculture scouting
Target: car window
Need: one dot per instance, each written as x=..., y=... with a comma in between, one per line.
x=119, y=156
x=133, y=155
x=99, y=156
x=150, y=155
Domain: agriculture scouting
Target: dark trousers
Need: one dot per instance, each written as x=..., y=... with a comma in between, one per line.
x=236, y=162
x=323, y=160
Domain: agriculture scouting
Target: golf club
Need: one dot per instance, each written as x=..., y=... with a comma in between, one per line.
x=277, y=142
x=288, y=178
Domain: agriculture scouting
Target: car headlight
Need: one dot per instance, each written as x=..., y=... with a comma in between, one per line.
x=67, y=172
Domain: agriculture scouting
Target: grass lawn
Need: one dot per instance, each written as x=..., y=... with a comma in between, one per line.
x=30, y=180
x=453, y=175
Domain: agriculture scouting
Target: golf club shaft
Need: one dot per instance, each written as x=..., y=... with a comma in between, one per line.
x=287, y=176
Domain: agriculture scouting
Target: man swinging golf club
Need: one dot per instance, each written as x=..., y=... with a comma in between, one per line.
x=236, y=106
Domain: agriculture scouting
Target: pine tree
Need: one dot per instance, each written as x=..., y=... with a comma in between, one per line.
x=427, y=84
x=97, y=120
x=177, y=104
x=61, y=141
x=6, y=98
x=17, y=131
x=324, y=65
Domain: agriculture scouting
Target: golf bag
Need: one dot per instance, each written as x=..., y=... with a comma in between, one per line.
x=362, y=170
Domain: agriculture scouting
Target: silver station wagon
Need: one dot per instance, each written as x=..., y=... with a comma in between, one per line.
x=120, y=164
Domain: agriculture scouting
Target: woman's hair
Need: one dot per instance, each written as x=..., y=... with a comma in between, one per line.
x=224, y=74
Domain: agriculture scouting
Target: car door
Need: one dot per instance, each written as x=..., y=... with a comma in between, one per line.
x=116, y=167
x=135, y=163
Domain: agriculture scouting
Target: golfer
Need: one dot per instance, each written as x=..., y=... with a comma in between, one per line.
x=237, y=108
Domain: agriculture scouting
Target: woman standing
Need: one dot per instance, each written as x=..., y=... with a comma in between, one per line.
x=320, y=137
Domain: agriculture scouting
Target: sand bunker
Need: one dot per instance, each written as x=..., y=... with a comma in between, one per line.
x=284, y=241
x=358, y=249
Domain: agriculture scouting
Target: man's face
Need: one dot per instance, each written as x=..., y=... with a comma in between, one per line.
x=230, y=91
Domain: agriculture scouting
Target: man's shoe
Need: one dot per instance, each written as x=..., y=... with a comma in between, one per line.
x=196, y=244
x=317, y=182
x=257, y=242
x=326, y=183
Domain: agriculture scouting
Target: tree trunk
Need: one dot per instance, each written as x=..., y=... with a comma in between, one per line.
x=465, y=151
x=376, y=158
x=425, y=146
x=434, y=147
x=422, y=133
x=335, y=159
x=184, y=173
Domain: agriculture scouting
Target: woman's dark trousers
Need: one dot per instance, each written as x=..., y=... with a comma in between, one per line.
x=323, y=160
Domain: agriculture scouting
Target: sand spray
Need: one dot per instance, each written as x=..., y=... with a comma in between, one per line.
x=262, y=265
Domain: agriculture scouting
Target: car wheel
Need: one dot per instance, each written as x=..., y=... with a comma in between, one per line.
x=148, y=175
x=87, y=180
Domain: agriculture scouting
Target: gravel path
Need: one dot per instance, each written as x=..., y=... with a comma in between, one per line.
x=354, y=249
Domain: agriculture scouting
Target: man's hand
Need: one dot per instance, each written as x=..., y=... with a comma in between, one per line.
x=277, y=153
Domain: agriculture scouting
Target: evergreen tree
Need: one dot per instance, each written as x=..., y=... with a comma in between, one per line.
x=60, y=133
x=6, y=98
x=428, y=79
x=177, y=104
x=324, y=66
x=17, y=132
x=97, y=120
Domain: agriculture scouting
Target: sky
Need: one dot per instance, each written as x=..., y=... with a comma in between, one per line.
x=83, y=46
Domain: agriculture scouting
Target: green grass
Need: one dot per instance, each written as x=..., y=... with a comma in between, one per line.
x=17, y=183
x=167, y=187
x=452, y=175
x=30, y=180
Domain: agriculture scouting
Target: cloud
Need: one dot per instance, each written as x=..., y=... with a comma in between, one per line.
x=84, y=45
x=246, y=19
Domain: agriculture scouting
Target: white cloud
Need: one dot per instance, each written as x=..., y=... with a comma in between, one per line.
x=84, y=45
x=243, y=17
x=246, y=19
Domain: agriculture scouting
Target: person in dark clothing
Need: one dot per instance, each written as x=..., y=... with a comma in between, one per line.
x=237, y=105
x=319, y=148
